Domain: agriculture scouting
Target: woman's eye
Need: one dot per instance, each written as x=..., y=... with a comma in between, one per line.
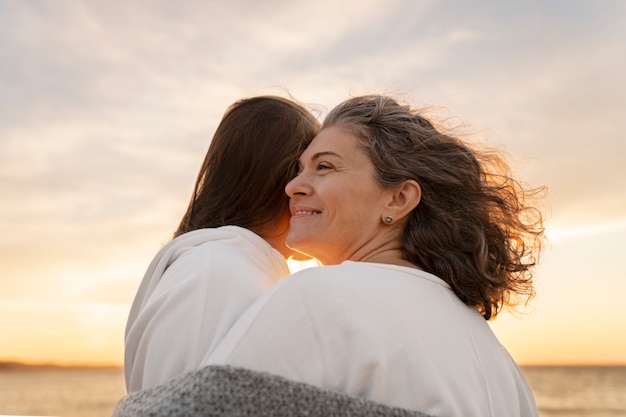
x=322, y=166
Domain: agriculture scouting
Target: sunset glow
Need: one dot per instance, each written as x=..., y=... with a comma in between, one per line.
x=107, y=110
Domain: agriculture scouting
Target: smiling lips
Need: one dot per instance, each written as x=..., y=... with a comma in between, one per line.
x=304, y=212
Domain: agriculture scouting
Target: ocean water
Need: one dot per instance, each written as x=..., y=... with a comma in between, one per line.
x=571, y=391
x=64, y=392
x=560, y=391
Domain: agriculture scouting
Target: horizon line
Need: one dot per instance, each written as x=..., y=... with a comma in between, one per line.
x=20, y=364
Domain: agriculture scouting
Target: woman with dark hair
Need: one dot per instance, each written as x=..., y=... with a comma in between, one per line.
x=229, y=247
x=424, y=238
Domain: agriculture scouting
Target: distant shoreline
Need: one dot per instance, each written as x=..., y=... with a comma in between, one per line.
x=22, y=366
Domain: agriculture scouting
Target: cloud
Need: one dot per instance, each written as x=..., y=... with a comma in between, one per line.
x=108, y=105
x=107, y=109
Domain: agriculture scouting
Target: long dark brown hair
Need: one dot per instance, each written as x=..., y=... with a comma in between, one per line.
x=250, y=160
x=476, y=226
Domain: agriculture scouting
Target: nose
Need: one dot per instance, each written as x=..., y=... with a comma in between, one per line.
x=297, y=186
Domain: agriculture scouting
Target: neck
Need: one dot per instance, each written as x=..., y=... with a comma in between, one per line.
x=390, y=257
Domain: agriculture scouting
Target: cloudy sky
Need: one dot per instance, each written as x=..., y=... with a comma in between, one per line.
x=107, y=109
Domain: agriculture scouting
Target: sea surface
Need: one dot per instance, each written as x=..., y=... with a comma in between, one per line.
x=67, y=392
x=64, y=392
x=579, y=391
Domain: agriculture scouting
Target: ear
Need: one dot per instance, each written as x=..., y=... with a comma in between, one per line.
x=404, y=198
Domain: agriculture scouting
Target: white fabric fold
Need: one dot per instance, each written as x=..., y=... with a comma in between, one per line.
x=391, y=334
x=193, y=291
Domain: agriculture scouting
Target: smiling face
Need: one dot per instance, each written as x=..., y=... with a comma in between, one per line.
x=336, y=203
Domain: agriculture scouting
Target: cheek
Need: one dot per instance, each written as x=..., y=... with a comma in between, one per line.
x=356, y=213
x=352, y=205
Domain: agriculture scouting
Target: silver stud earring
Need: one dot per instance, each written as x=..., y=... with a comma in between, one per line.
x=388, y=219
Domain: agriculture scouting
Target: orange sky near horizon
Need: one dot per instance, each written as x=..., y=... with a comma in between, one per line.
x=92, y=334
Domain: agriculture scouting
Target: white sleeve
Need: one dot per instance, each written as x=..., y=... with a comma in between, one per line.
x=197, y=300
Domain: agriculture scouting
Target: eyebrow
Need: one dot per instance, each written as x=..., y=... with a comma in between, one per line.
x=319, y=155
x=324, y=153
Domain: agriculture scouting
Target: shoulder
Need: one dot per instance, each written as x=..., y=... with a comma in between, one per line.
x=320, y=282
x=353, y=293
x=232, y=246
x=225, y=237
x=228, y=256
x=362, y=278
x=345, y=273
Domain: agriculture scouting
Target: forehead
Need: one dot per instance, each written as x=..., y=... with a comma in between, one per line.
x=339, y=140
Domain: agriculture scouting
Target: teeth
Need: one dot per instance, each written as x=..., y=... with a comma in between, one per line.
x=305, y=212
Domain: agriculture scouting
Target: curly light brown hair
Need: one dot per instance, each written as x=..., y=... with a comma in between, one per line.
x=476, y=226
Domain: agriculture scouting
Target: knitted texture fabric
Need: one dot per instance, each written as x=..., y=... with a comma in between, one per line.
x=220, y=391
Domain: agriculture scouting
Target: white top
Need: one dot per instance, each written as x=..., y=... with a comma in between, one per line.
x=388, y=333
x=196, y=287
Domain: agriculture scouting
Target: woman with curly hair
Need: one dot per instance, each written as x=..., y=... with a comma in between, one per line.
x=423, y=238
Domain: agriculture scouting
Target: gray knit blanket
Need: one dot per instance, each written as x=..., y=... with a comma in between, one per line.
x=224, y=391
